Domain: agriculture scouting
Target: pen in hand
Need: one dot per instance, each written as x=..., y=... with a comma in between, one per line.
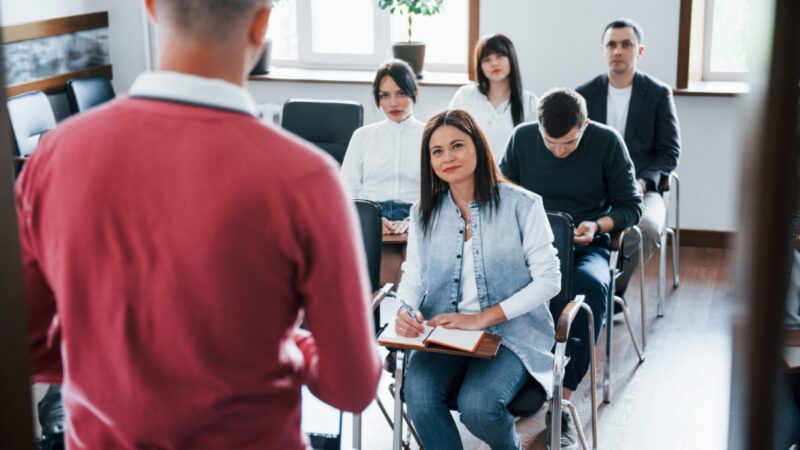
x=409, y=310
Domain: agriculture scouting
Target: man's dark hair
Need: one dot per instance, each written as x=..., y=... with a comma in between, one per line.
x=209, y=19
x=401, y=73
x=561, y=110
x=625, y=23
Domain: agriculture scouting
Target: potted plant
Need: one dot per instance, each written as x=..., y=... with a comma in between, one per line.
x=411, y=52
x=262, y=66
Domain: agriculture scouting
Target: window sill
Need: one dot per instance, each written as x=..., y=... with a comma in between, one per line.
x=713, y=89
x=444, y=79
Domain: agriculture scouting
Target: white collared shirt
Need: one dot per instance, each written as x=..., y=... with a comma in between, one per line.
x=382, y=161
x=186, y=88
x=496, y=123
x=617, y=107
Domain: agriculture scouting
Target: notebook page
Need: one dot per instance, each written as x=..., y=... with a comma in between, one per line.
x=389, y=336
x=466, y=340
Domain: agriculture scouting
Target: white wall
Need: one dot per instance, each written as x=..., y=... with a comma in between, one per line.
x=558, y=44
x=126, y=28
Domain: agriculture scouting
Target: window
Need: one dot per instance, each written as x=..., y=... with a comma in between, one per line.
x=712, y=43
x=725, y=45
x=356, y=34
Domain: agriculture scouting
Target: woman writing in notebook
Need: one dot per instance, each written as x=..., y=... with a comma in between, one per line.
x=480, y=252
x=497, y=101
x=381, y=163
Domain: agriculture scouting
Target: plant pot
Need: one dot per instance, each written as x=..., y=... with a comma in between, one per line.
x=262, y=66
x=411, y=52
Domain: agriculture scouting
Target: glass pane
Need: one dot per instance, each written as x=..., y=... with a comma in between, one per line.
x=444, y=35
x=728, y=40
x=282, y=29
x=342, y=26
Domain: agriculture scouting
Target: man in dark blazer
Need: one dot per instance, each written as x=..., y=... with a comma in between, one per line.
x=642, y=110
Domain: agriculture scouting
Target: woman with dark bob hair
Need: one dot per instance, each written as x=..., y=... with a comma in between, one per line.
x=381, y=161
x=480, y=254
x=497, y=101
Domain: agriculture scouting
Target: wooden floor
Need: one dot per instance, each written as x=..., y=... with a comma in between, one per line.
x=676, y=399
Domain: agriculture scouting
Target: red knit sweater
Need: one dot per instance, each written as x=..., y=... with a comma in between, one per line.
x=169, y=253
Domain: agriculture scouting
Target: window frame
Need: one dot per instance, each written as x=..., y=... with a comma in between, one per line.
x=694, y=41
x=307, y=59
x=708, y=35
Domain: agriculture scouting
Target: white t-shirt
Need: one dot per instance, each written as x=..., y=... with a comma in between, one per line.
x=617, y=107
x=496, y=123
x=382, y=161
x=469, y=303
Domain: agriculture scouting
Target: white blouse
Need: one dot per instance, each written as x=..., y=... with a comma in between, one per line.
x=496, y=123
x=382, y=161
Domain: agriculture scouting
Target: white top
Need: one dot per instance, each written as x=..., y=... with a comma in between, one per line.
x=382, y=161
x=538, y=257
x=193, y=89
x=496, y=123
x=469, y=303
x=617, y=107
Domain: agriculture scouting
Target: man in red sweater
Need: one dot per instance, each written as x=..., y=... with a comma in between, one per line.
x=172, y=243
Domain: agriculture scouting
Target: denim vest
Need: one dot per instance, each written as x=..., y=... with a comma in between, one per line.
x=500, y=271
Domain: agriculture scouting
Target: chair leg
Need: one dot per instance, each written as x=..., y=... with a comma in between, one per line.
x=626, y=314
x=558, y=395
x=398, y=400
x=662, y=273
x=675, y=250
x=642, y=294
x=357, y=431
x=577, y=421
x=609, y=328
x=593, y=362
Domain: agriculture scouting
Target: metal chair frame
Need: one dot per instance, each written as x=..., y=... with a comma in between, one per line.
x=674, y=235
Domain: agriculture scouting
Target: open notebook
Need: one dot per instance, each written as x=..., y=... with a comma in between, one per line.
x=464, y=340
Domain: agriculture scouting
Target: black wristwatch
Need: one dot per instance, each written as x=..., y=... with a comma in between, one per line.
x=599, y=227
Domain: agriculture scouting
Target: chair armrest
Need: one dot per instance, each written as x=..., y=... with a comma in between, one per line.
x=567, y=316
x=664, y=183
x=616, y=240
x=380, y=295
x=792, y=338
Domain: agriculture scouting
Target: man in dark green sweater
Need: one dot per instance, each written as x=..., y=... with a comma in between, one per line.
x=581, y=168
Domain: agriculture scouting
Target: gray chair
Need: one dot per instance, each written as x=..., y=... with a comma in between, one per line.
x=31, y=116
x=327, y=124
x=85, y=93
x=666, y=187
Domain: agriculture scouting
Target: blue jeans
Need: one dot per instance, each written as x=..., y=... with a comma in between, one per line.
x=487, y=386
x=591, y=277
x=392, y=210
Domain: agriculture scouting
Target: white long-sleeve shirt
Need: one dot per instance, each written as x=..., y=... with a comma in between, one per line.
x=382, y=161
x=496, y=123
x=539, y=255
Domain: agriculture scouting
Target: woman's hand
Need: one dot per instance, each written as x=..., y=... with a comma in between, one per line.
x=395, y=227
x=407, y=327
x=458, y=321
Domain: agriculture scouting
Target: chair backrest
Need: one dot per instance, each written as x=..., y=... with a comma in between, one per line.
x=30, y=115
x=326, y=124
x=85, y=93
x=369, y=214
x=562, y=227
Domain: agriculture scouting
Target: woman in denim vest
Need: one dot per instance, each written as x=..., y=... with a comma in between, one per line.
x=480, y=254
